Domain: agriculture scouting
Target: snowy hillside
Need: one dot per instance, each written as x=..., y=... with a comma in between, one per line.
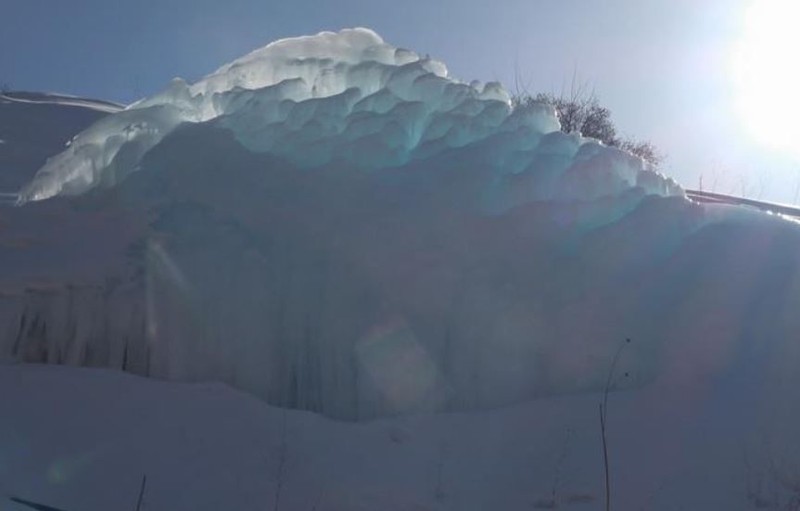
x=35, y=126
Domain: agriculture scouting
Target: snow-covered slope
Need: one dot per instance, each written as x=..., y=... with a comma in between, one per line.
x=35, y=126
x=81, y=440
x=337, y=225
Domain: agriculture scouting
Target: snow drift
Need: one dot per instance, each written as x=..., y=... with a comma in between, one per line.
x=337, y=225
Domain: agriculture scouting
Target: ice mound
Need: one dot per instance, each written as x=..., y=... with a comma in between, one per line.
x=350, y=98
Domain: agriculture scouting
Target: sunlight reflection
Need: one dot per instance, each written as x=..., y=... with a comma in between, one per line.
x=399, y=368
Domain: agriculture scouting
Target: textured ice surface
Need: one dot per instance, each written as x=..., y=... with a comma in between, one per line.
x=347, y=98
x=353, y=232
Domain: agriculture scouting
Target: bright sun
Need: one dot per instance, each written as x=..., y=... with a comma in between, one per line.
x=766, y=67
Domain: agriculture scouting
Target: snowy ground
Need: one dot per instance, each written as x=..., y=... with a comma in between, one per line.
x=81, y=440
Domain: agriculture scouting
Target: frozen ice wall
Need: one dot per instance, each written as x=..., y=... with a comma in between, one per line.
x=334, y=224
x=345, y=97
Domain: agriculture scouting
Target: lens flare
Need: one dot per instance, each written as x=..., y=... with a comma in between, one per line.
x=766, y=74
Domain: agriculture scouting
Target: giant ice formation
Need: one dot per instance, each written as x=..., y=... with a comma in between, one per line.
x=345, y=97
x=335, y=224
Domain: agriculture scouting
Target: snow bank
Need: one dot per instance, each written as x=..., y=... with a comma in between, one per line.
x=345, y=97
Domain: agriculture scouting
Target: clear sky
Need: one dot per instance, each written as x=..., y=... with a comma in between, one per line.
x=662, y=66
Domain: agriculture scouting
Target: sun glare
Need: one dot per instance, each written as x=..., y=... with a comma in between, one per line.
x=767, y=73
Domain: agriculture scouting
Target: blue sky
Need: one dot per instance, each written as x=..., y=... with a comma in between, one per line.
x=661, y=66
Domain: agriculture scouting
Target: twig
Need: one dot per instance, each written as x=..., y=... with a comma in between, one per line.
x=609, y=381
x=141, y=493
x=605, y=456
x=34, y=505
x=603, y=412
